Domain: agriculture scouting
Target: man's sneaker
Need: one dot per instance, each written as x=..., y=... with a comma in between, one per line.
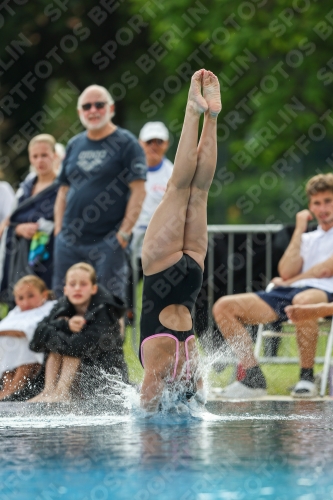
x=304, y=389
x=237, y=390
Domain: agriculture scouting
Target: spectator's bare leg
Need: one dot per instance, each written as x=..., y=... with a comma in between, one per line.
x=232, y=312
x=68, y=372
x=307, y=329
x=17, y=379
x=52, y=371
x=7, y=378
x=307, y=336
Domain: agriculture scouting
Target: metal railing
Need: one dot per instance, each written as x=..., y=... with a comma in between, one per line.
x=231, y=230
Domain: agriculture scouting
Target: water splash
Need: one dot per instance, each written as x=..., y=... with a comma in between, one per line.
x=59, y=421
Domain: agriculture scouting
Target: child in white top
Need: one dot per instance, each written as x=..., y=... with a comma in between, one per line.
x=18, y=363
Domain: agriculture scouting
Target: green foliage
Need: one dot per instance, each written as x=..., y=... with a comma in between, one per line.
x=249, y=42
x=50, y=52
x=273, y=60
x=135, y=370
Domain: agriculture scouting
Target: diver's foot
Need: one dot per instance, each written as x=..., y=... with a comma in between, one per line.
x=211, y=92
x=195, y=98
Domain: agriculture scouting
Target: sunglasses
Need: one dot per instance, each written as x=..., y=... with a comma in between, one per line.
x=88, y=105
x=155, y=141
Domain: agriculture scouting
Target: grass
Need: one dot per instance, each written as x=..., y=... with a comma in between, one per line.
x=3, y=310
x=135, y=370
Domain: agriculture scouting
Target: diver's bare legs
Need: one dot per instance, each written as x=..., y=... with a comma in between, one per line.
x=180, y=221
x=179, y=226
x=164, y=239
x=195, y=237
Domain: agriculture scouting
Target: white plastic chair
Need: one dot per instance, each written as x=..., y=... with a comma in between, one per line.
x=266, y=332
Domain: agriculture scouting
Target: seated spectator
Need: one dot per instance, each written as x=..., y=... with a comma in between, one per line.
x=18, y=364
x=81, y=331
x=27, y=243
x=306, y=277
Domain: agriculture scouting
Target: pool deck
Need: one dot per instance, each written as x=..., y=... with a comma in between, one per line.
x=216, y=397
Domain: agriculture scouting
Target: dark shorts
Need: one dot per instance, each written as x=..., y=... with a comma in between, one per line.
x=106, y=256
x=282, y=296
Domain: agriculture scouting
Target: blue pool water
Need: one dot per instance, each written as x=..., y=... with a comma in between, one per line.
x=249, y=450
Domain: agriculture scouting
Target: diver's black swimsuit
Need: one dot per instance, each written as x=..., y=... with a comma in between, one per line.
x=180, y=285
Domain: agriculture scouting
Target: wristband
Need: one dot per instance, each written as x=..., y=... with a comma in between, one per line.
x=125, y=236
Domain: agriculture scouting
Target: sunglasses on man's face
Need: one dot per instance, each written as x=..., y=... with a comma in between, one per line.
x=88, y=105
x=155, y=141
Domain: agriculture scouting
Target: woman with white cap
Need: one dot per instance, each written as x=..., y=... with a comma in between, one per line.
x=154, y=140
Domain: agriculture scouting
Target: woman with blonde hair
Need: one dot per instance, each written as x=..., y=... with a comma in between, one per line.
x=27, y=243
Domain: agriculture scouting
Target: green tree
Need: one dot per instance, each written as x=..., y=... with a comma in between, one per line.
x=274, y=62
x=50, y=52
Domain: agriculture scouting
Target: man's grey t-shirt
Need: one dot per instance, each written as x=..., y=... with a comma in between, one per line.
x=98, y=174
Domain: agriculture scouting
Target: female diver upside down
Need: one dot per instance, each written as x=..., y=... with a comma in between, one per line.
x=174, y=250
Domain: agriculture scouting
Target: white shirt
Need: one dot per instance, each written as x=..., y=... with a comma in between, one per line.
x=7, y=200
x=14, y=351
x=155, y=185
x=316, y=247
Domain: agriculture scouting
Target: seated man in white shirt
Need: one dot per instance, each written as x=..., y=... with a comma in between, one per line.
x=306, y=277
x=154, y=139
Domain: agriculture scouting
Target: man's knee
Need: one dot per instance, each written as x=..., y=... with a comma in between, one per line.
x=303, y=298
x=225, y=306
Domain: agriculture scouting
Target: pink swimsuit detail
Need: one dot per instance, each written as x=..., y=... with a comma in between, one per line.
x=188, y=374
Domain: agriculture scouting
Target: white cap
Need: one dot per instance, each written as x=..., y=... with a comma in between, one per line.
x=154, y=130
x=60, y=150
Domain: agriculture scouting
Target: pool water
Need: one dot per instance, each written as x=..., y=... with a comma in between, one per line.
x=246, y=450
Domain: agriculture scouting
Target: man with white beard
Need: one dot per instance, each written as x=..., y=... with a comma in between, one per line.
x=101, y=194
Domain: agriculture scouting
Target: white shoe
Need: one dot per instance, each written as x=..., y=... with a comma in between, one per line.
x=304, y=389
x=237, y=390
